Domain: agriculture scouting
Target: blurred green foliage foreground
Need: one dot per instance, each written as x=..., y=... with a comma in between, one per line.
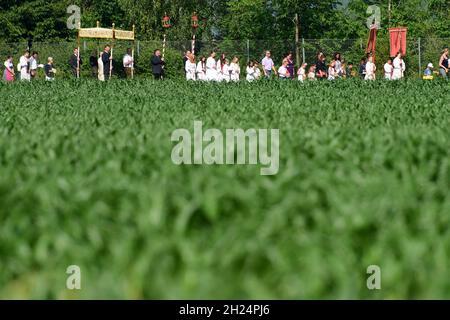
x=86, y=179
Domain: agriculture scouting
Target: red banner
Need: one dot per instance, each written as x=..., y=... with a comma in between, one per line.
x=372, y=42
x=398, y=41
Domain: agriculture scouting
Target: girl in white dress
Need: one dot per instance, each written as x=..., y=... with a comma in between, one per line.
x=332, y=71
x=399, y=67
x=235, y=69
x=250, y=71
x=301, y=73
x=226, y=71
x=190, y=67
x=201, y=69
x=370, y=69
x=220, y=65
x=211, y=67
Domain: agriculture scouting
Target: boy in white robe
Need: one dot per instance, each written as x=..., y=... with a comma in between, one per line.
x=399, y=67
x=24, y=65
x=211, y=71
x=388, y=70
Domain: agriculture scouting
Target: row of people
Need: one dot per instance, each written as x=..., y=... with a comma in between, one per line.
x=208, y=69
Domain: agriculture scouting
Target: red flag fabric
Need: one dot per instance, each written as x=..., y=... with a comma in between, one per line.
x=372, y=42
x=397, y=38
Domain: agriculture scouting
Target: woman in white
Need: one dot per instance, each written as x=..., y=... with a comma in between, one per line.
x=101, y=74
x=399, y=67
x=283, y=72
x=190, y=67
x=211, y=71
x=301, y=73
x=370, y=69
x=201, y=69
x=235, y=69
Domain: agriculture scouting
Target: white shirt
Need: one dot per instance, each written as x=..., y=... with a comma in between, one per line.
x=283, y=72
x=128, y=61
x=33, y=63
x=23, y=62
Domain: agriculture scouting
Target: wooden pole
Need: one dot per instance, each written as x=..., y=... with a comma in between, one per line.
x=132, y=51
x=297, y=39
x=78, y=47
x=389, y=12
x=111, y=57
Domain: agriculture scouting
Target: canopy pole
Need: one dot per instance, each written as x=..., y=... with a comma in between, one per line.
x=111, y=58
x=132, y=52
x=78, y=53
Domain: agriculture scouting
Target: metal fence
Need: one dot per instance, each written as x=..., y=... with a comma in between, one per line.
x=420, y=52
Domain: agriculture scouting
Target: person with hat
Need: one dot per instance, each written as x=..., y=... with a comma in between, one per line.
x=428, y=73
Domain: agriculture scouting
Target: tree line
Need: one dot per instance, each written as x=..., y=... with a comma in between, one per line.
x=42, y=20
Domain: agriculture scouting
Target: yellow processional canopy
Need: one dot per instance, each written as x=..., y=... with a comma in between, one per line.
x=104, y=33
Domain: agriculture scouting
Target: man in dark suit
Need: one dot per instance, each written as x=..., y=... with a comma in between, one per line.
x=74, y=64
x=157, y=65
x=106, y=59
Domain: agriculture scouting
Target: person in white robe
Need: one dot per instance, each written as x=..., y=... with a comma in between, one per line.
x=226, y=71
x=222, y=74
x=388, y=70
x=235, y=69
x=250, y=71
x=399, y=67
x=101, y=74
x=24, y=67
x=211, y=71
x=370, y=69
x=190, y=68
x=201, y=69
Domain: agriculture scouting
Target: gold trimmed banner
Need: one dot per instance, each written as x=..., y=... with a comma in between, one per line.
x=101, y=33
x=123, y=35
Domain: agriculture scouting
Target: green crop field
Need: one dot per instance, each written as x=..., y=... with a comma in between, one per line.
x=86, y=179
